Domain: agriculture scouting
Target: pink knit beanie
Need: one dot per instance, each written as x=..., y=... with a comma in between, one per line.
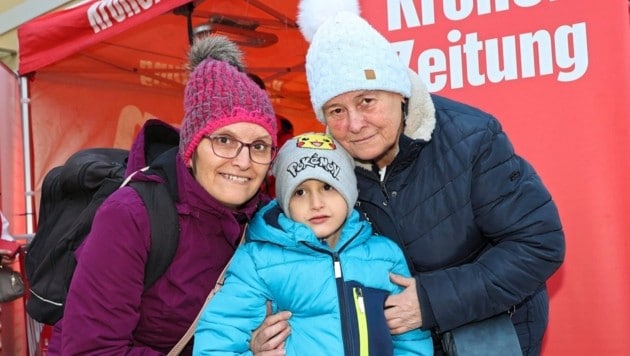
x=219, y=93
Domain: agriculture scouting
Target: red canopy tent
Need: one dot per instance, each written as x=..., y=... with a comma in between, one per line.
x=556, y=73
x=98, y=70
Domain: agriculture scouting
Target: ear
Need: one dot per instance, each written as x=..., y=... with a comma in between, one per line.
x=191, y=162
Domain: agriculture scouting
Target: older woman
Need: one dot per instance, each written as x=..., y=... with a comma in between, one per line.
x=477, y=225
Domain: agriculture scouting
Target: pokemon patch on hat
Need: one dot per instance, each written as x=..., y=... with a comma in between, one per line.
x=314, y=155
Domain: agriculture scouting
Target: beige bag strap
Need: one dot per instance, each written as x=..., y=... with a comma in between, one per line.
x=177, y=349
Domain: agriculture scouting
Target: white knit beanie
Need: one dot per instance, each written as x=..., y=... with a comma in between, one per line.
x=314, y=156
x=346, y=53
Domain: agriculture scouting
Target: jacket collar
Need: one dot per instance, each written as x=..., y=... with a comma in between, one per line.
x=420, y=121
x=270, y=224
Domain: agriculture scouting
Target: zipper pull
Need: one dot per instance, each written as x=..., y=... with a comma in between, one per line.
x=361, y=322
x=337, y=266
x=358, y=294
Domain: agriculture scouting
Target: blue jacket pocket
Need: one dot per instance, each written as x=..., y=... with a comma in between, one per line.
x=365, y=321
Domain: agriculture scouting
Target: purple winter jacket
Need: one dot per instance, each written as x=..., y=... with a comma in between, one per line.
x=107, y=309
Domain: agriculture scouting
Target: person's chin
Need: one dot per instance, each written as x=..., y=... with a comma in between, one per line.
x=236, y=197
x=321, y=232
x=365, y=155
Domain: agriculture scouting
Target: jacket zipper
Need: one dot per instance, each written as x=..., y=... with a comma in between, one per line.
x=387, y=209
x=346, y=330
x=364, y=349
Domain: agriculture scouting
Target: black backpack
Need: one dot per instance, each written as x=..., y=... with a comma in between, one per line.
x=72, y=193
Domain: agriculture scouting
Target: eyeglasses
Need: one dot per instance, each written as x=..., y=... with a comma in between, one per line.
x=229, y=147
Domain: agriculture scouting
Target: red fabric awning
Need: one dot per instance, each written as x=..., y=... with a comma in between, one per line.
x=57, y=35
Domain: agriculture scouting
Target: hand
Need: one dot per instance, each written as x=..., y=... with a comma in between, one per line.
x=402, y=311
x=7, y=258
x=269, y=338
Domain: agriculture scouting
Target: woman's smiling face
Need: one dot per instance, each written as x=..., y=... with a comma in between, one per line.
x=232, y=181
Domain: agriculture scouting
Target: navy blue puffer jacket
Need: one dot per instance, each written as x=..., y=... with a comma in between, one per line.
x=475, y=221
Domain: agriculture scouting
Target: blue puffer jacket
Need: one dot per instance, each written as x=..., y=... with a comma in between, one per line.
x=477, y=225
x=284, y=262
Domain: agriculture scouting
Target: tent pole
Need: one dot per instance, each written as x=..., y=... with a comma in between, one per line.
x=26, y=149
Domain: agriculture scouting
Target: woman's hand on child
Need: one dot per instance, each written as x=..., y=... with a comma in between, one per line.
x=402, y=311
x=269, y=338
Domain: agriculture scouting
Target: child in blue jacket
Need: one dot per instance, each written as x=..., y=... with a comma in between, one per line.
x=311, y=253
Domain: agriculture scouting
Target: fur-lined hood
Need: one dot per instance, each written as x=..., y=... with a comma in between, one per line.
x=420, y=120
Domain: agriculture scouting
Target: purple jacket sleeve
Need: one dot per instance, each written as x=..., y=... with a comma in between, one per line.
x=103, y=304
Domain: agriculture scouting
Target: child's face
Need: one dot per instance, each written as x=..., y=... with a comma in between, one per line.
x=321, y=207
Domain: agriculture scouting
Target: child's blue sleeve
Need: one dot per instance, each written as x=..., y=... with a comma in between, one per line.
x=239, y=307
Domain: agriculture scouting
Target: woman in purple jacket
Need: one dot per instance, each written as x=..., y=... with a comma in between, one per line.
x=227, y=141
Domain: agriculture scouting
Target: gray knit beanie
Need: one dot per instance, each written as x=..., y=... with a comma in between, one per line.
x=314, y=156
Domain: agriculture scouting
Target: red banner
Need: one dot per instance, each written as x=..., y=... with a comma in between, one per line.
x=557, y=75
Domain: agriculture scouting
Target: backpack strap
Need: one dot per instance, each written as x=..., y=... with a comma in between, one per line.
x=159, y=199
x=164, y=166
x=164, y=222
